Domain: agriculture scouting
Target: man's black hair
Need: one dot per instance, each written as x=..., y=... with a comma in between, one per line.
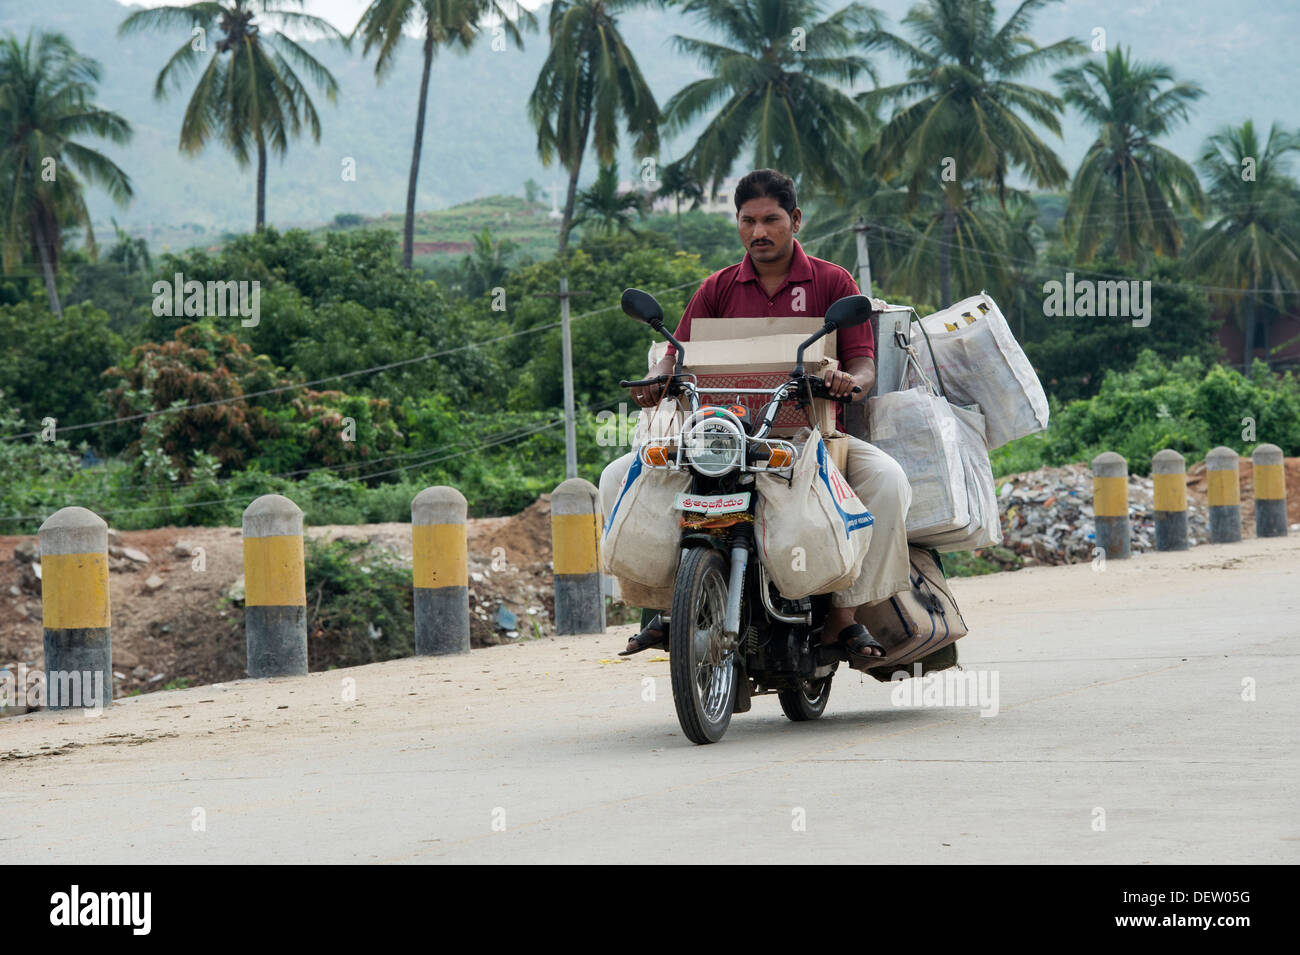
x=769, y=183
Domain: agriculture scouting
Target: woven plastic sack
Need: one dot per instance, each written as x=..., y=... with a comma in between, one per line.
x=980, y=362
x=642, y=536
x=812, y=531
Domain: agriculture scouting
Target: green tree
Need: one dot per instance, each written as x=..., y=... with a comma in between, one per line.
x=47, y=96
x=442, y=23
x=965, y=114
x=1126, y=195
x=774, y=84
x=588, y=80
x=1253, y=242
x=603, y=209
x=487, y=265
x=676, y=182
x=249, y=96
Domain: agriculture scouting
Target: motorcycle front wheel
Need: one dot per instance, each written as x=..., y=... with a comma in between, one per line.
x=703, y=671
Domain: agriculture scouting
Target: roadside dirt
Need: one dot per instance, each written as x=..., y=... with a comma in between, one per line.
x=177, y=603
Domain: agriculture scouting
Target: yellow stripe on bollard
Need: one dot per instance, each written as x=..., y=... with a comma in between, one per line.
x=440, y=557
x=1223, y=488
x=1170, y=492
x=1270, y=482
x=1110, y=496
x=273, y=571
x=74, y=591
x=576, y=543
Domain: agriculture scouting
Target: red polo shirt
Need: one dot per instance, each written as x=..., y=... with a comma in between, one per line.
x=810, y=288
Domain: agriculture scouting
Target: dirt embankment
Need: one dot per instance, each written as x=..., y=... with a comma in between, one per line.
x=177, y=600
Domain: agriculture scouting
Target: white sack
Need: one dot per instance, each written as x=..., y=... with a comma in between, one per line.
x=816, y=511
x=919, y=431
x=642, y=536
x=981, y=363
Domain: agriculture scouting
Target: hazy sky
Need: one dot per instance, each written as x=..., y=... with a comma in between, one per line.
x=343, y=14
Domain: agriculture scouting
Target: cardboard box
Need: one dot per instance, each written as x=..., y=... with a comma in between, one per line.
x=719, y=329
x=757, y=363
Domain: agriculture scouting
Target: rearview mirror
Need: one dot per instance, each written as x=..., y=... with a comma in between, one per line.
x=848, y=312
x=642, y=306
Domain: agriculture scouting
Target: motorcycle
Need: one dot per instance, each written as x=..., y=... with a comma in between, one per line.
x=731, y=635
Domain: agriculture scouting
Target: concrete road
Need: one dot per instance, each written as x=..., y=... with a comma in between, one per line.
x=1121, y=735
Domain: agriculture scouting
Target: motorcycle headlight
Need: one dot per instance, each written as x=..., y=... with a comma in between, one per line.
x=714, y=446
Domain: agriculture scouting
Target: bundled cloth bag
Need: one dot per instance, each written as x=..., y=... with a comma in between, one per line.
x=914, y=624
x=942, y=450
x=642, y=536
x=815, y=510
x=976, y=360
x=664, y=420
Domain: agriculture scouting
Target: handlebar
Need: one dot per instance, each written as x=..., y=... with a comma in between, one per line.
x=817, y=386
x=656, y=380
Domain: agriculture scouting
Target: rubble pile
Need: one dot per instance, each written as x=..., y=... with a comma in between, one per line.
x=1047, y=515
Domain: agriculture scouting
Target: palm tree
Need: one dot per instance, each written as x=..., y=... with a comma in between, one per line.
x=677, y=183
x=253, y=98
x=1128, y=190
x=487, y=265
x=1254, y=240
x=46, y=99
x=773, y=85
x=132, y=254
x=963, y=109
x=607, y=209
x=441, y=23
x=589, y=78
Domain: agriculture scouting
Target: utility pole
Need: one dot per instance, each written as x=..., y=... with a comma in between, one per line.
x=864, y=257
x=566, y=347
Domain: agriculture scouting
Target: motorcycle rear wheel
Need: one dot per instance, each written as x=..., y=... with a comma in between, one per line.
x=703, y=673
x=808, y=702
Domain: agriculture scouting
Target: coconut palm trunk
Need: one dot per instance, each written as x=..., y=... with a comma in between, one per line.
x=261, y=184
x=408, y=227
x=567, y=222
x=39, y=236
x=945, y=253
x=1252, y=321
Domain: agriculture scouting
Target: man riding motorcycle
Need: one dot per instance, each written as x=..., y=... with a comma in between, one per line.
x=777, y=278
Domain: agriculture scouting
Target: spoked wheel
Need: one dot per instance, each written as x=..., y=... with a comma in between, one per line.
x=703, y=670
x=808, y=702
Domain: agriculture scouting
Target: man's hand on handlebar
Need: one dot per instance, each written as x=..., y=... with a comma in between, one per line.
x=840, y=384
x=649, y=395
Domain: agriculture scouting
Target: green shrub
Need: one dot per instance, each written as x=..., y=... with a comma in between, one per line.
x=359, y=605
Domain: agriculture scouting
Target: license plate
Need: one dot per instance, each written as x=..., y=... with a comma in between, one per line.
x=713, y=503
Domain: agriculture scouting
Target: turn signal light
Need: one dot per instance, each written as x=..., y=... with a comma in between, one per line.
x=781, y=458
x=657, y=455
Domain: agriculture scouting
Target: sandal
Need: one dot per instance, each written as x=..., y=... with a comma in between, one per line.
x=855, y=639
x=653, y=634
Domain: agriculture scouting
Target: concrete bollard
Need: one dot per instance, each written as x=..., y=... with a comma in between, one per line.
x=1270, y=491
x=575, y=545
x=275, y=588
x=440, y=571
x=75, y=610
x=1110, y=504
x=1224, y=492
x=1169, y=475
